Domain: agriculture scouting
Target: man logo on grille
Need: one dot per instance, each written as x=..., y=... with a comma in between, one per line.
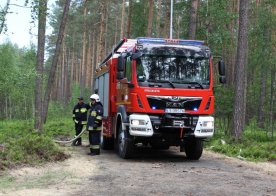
x=174, y=98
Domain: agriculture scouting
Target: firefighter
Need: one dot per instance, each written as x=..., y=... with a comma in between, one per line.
x=80, y=118
x=94, y=124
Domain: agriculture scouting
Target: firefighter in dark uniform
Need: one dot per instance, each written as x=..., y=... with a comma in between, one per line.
x=94, y=124
x=80, y=118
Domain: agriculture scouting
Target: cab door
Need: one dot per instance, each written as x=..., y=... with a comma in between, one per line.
x=125, y=83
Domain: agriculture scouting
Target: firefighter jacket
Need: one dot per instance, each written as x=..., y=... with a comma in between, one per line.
x=80, y=113
x=95, y=117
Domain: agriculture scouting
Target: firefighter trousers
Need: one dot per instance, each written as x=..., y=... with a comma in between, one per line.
x=95, y=140
x=78, y=129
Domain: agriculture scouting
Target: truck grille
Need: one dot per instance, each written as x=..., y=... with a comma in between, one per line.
x=189, y=121
x=162, y=102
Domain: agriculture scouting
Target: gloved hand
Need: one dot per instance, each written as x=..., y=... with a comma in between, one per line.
x=76, y=121
x=98, y=123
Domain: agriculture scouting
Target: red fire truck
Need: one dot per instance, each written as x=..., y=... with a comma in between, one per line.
x=159, y=93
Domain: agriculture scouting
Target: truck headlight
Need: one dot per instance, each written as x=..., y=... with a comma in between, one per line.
x=137, y=122
x=208, y=124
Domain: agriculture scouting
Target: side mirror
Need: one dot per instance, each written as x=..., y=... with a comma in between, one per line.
x=120, y=75
x=222, y=79
x=136, y=55
x=141, y=78
x=121, y=64
x=221, y=68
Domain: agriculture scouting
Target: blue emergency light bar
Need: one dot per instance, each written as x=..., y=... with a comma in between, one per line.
x=169, y=41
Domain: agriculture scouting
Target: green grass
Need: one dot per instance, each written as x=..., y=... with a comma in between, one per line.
x=254, y=146
x=20, y=144
x=33, y=181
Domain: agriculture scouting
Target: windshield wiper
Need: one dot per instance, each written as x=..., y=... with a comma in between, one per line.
x=189, y=82
x=162, y=81
x=197, y=83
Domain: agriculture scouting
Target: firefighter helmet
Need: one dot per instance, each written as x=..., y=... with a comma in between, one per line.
x=96, y=97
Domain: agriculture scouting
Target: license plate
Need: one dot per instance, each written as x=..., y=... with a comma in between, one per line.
x=174, y=110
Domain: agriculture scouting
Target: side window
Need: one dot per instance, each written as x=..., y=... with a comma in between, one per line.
x=140, y=71
x=128, y=72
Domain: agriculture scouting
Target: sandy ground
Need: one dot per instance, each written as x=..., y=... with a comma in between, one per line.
x=148, y=173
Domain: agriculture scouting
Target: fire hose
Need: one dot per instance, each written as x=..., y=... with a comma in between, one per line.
x=70, y=141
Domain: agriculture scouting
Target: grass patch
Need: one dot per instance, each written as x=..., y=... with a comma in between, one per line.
x=255, y=146
x=19, y=144
x=38, y=181
x=7, y=182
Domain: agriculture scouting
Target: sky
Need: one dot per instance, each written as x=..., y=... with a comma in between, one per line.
x=18, y=20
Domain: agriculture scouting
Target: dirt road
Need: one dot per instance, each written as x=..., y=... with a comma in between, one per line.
x=148, y=173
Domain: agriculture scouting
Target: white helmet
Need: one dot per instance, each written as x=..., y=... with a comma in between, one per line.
x=96, y=97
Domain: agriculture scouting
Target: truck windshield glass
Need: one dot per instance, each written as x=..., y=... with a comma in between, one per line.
x=177, y=65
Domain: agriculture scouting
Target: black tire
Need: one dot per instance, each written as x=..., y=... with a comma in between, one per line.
x=107, y=143
x=124, y=144
x=193, y=148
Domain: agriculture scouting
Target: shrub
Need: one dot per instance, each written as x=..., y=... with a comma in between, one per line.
x=21, y=145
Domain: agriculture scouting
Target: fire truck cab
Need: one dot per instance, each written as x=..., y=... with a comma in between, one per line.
x=159, y=93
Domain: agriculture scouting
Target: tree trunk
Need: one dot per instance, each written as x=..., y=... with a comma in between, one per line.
x=116, y=31
x=89, y=65
x=265, y=62
x=67, y=77
x=149, y=29
x=55, y=60
x=272, y=100
x=231, y=49
x=166, y=19
x=42, y=15
x=192, y=22
x=122, y=20
x=262, y=96
x=62, y=72
x=100, y=46
x=159, y=8
x=240, y=72
x=93, y=58
x=84, y=52
x=129, y=18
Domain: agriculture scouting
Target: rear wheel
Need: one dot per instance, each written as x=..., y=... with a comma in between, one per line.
x=124, y=143
x=193, y=148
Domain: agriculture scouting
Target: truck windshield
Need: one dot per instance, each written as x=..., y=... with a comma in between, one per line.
x=174, y=67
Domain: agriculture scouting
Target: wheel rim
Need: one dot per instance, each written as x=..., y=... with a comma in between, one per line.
x=121, y=140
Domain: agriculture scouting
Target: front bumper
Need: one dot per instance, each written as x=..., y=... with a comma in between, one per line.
x=145, y=125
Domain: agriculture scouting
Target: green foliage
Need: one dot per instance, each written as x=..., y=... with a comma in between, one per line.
x=215, y=20
x=224, y=98
x=62, y=126
x=255, y=145
x=21, y=145
x=224, y=101
x=139, y=21
x=76, y=94
x=16, y=81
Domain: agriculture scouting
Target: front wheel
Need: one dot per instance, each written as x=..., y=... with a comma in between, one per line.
x=193, y=148
x=124, y=144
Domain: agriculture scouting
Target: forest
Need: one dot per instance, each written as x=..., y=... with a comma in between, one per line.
x=61, y=67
